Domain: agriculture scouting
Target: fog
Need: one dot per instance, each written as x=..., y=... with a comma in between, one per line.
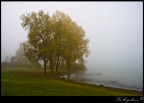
x=115, y=31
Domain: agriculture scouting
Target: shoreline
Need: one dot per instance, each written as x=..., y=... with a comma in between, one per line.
x=103, y=86
x=106, y=83
x=117, y=86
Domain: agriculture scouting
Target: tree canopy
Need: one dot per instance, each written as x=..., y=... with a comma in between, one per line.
x=54, y=39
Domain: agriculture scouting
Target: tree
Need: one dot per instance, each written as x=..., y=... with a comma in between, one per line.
x=30, y=53
x=7, y=59
x=59, y=30
x=39, y=33
x=13, y=59
x=20, y=57
x=54, y=39
x=70, y=40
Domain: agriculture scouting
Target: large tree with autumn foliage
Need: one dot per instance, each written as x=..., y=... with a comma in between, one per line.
x=54, y=39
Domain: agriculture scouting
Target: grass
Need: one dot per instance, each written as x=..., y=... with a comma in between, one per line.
x=24, y=81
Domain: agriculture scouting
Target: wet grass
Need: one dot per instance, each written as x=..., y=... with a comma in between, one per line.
x=24, y=81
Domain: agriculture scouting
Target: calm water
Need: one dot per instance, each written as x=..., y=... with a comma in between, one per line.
x=127, y=80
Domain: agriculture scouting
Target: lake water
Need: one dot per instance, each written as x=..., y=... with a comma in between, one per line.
x=127, y=80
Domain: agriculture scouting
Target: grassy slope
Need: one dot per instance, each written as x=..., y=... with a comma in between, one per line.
x=32, y=82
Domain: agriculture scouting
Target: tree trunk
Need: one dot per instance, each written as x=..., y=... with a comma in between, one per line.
x=44, y=66
x=51, y=66
x=68, y=66
x=57, y=64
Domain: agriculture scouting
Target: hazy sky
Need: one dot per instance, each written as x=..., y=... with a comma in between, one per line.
x=115, y=30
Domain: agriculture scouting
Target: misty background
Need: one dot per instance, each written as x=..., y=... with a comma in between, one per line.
x=115, y=31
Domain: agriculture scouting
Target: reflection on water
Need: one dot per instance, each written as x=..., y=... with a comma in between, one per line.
x=100, y=79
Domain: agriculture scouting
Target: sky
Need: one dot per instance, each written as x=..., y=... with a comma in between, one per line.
x=115, y=31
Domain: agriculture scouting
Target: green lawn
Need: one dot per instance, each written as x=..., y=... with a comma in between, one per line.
x=25, y=81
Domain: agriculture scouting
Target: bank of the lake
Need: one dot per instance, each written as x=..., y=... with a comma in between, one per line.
x=32, y=82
